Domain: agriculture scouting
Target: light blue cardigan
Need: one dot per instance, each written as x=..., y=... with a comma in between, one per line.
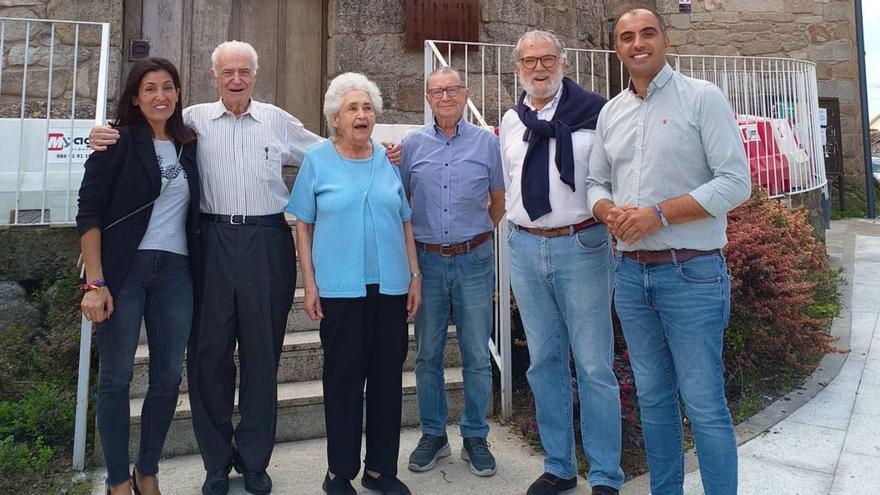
x=326, y=195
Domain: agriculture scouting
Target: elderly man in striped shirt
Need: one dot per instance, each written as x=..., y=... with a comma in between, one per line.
x=247, y=280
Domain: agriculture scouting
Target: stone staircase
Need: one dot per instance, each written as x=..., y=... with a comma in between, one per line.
x=300, y=396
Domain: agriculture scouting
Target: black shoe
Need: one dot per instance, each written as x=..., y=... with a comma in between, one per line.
x=337, y=486
x=550, y=484
x=604, y=490
x=388, y=485
x=256, y=482
x=217, y=482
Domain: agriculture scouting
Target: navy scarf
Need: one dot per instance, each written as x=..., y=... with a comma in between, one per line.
x=577, y=109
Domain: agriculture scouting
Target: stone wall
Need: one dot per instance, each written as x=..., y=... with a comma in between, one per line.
x=820, y=31
x=38, y=43
x=369, y=37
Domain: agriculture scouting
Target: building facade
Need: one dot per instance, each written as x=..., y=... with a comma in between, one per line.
x=304, y=43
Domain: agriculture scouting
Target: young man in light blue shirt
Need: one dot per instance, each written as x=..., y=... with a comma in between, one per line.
x=666, y=167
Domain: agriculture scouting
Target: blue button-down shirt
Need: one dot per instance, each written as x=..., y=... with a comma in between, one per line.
x=449, y=180
x=681, y=139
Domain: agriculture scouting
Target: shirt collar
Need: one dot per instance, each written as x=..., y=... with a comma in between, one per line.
x=460, y=128
x=660, y=80
x=254, y=111
x=549, y=106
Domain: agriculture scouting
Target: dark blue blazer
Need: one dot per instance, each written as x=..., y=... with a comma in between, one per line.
x=116, y=183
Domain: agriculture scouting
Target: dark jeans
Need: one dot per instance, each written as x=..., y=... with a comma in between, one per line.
x=364, y=340
x=157, y=288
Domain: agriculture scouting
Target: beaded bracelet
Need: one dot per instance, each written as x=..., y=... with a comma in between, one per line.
x=94, y=284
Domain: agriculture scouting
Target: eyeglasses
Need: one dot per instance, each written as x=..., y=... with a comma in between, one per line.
x=452, y=91
x=547, y=61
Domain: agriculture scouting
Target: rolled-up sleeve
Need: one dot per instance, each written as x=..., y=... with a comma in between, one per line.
x=731, y=183
x=599, y=173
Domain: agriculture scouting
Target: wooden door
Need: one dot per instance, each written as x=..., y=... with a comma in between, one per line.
x=289, y=36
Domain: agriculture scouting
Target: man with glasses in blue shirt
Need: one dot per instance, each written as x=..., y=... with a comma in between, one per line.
x=451, y=171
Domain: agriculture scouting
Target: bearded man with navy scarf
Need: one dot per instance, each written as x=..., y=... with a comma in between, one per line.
x=560, y=267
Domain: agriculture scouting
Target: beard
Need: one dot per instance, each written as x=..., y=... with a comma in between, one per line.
x=551, y=87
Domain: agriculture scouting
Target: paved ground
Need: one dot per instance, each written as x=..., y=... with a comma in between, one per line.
x=298, y=468
x=823, y=438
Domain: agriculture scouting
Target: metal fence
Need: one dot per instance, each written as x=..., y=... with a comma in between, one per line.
x=775, y=101
x=53, y=88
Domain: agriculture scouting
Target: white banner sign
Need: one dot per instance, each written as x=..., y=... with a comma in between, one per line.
x=61, y=146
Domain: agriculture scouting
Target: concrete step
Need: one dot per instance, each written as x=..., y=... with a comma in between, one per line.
x=297, y=320
x=300, y=413
x=301, y=359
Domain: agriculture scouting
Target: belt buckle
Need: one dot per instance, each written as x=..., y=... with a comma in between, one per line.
x=444, y=248
x=237, y=219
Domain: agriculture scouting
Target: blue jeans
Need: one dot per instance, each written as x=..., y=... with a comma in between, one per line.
x=673, y=317
x=562, y=286
x=466, y=281
x=157, y=288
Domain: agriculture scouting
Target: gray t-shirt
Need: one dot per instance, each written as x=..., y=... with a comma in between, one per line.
x=167, y=228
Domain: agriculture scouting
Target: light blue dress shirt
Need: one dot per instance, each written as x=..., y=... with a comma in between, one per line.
x=340, y=202
x=450, y=180
x=681, y=139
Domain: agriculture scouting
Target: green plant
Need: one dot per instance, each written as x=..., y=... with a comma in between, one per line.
x=22, y=457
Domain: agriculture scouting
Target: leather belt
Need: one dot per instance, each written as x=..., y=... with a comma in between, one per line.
x=456, y=249
x=273, y=220
x=559, y=231
x=666, y=256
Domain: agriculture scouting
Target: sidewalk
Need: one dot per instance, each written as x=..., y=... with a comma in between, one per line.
x=831, y=443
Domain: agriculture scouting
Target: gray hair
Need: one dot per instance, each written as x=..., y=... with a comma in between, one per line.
x=340, y=86
x=539, y=35
x=235, y=45
x=444, y=69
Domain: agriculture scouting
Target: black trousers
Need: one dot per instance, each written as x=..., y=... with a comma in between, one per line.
x=248, y=278
x=364, y=340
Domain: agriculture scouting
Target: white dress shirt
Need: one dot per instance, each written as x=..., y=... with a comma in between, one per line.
x=240, y=159
x=569, y=207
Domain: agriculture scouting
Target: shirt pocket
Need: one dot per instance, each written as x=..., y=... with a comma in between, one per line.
x=270, y=160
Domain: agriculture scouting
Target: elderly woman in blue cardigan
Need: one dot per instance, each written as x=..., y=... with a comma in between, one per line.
x=361, y=280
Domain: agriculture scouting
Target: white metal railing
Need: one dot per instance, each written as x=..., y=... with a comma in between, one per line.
x=775, y=101
x=46, y=71
x=42, y=173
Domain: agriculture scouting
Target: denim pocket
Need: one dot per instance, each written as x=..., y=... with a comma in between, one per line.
x=483, y=253
x=592, y=239
x=705, y=270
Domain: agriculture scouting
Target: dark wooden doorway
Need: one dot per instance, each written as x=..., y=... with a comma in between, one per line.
x=289, y=36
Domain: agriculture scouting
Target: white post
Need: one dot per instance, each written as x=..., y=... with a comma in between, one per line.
x=504, y=321
x=429, y=67
x=85, y=342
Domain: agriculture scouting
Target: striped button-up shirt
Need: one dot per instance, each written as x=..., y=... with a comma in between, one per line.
x=240, y=159
x=681, y=139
